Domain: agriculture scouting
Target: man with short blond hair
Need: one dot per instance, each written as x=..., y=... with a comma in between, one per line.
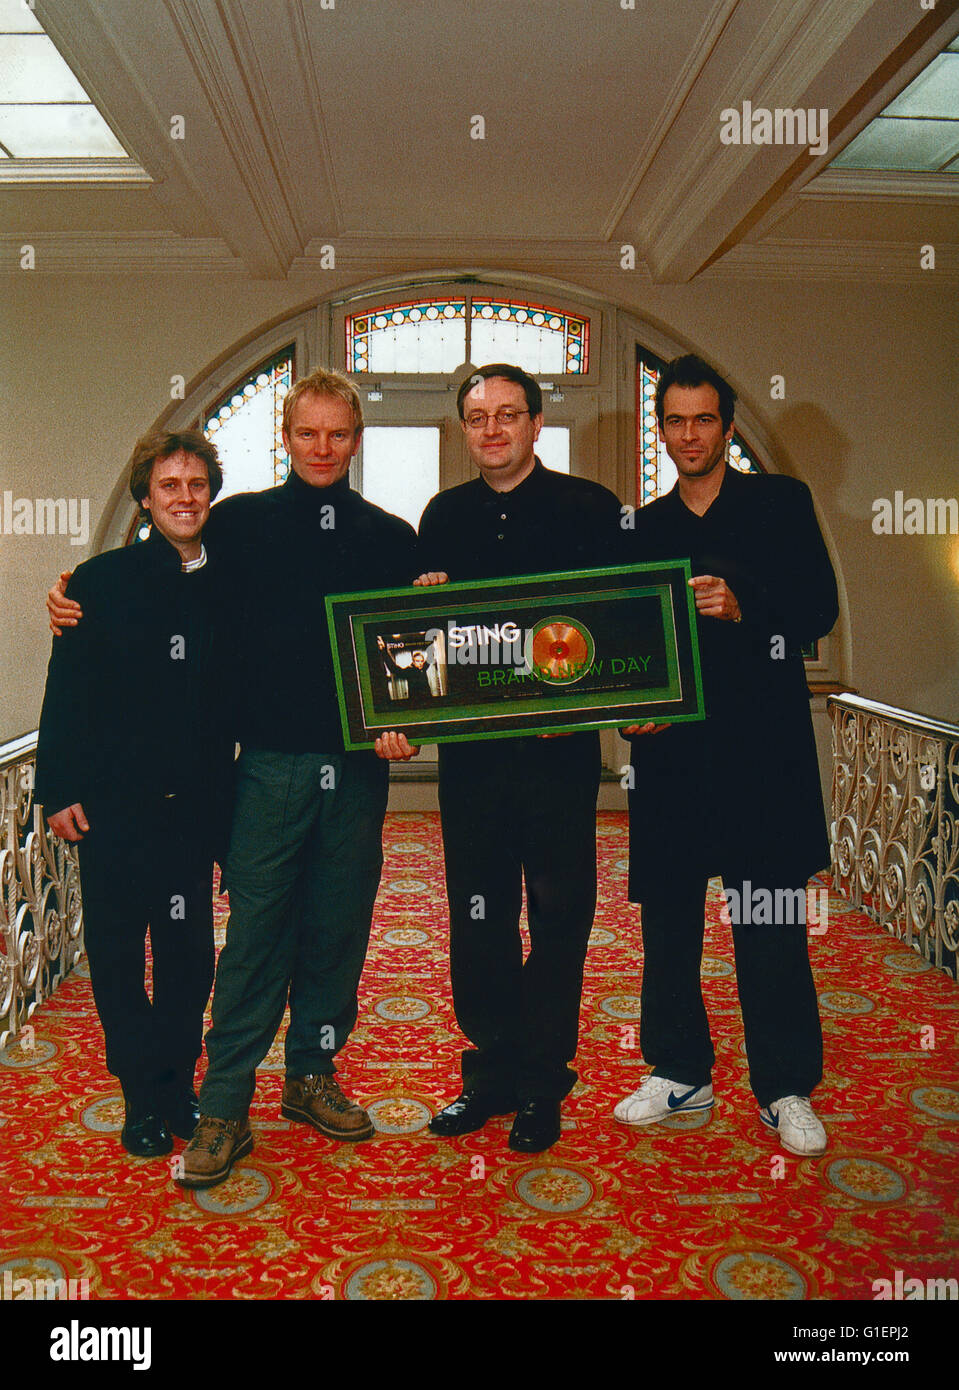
x=306, y=849
x=323, y=382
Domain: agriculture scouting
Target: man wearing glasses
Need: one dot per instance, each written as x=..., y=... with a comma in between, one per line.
x=516, y=808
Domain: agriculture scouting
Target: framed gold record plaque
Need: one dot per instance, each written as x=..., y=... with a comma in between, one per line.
x=546, y=653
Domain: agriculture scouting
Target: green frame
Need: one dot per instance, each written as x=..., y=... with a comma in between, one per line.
x=617, y=599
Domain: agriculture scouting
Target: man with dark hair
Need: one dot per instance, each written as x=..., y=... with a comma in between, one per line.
x=133, y=767
x=503, y=371
x=737, y=794
x=519, y=808
x=191, y=442
x=689, y=371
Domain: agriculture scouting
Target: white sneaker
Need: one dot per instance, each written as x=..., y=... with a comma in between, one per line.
x=799, y=1127
x=658, y=1098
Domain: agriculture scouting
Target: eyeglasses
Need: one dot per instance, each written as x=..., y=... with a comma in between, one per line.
x=477, y=419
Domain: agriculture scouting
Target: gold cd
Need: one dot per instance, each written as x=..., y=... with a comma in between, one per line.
x=558, y=649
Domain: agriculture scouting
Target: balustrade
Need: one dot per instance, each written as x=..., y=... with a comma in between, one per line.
x=41, y=920
x=895, y=822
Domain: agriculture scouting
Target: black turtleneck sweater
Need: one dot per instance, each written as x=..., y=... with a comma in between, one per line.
x=278, y=554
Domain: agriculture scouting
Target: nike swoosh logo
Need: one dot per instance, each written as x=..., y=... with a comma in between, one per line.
x=674, y=1101
x=773, y=1120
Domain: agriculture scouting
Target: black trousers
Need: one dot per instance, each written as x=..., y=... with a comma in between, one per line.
x=515, y=809
x=776, y=994
x=147, y=867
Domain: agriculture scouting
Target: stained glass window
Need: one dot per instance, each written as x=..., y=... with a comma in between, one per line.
x=247, y=428
x=428, y=335
x=439, y=335
x=655, y=470
x=533, y=336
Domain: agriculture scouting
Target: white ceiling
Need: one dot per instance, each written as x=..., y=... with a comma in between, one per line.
x=308, y=124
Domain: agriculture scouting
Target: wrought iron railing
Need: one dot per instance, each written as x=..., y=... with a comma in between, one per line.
x=41, y=921
x=895, y=822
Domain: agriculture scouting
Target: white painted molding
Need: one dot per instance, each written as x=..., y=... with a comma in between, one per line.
x=64, y=171
x=882, y=186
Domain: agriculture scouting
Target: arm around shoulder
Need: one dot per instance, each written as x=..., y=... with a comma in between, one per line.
x=64, y=716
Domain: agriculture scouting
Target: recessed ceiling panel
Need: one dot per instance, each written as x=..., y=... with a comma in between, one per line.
x=935, y=92
x=18, y=18
x=31, y=70
x=508, y=120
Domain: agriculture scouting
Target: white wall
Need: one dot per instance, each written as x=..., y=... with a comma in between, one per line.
x=871, y=407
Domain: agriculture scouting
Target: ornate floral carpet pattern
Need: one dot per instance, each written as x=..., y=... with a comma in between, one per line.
x=695, y=1209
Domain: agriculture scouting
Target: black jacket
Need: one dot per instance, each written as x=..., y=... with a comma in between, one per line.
x=739, y=794
x=130, y=712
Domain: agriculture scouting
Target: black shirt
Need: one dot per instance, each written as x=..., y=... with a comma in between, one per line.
x=548, y=522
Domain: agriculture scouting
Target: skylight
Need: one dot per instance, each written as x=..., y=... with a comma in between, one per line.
x=45, y=114
x=919, y=131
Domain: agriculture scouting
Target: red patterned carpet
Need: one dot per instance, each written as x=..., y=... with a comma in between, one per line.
x=698, y=1209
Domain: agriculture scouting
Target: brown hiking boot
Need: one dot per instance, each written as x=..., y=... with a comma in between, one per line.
x=318, y=1101
x=215, y=1147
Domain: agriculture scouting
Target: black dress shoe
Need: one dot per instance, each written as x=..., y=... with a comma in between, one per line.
x=182, y=1113
x=470, y=1111
x=145, y=1135
x=536, y=1127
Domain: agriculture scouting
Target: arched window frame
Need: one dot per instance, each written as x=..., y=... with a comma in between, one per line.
x=300, y=331
x=467, y=289
x=572, y=400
